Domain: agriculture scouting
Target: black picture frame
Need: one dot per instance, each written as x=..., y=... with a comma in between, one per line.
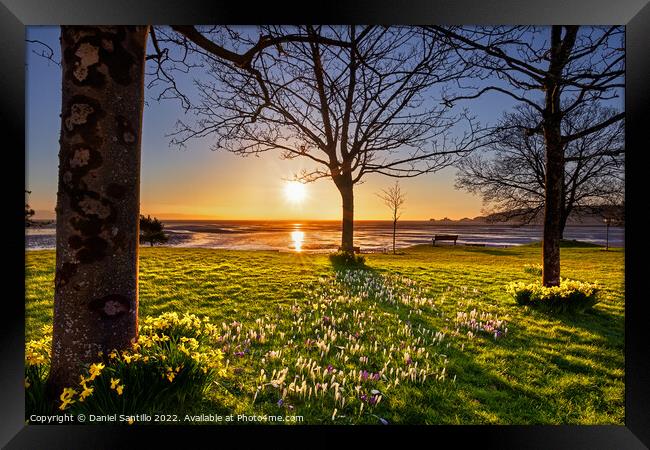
x=15, y=15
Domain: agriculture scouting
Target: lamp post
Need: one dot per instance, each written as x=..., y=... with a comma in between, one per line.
x=607, y=221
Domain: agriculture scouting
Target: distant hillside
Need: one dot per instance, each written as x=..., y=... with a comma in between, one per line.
x=580, y=216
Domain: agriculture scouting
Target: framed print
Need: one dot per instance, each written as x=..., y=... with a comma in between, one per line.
x=361, y=218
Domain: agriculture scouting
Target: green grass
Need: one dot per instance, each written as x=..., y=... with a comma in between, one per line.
x=547, y=369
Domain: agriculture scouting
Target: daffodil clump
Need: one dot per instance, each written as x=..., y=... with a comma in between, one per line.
x=345, y=259
x=569, y=295
x=176, y=326
x=170, y=365
x=37, y=368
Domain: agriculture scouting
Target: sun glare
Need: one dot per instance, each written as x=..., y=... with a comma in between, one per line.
x=295, y=191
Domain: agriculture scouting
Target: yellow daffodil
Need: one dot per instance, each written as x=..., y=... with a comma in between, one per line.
x=66, y=398
x=67, y=393
x=182, y=348
x=114, y=382
x=38, y=351
x=96, y=370
x=85, y=393
x=119, y=389
x=65, y=404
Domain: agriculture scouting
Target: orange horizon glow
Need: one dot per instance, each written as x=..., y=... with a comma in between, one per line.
x=228, y=187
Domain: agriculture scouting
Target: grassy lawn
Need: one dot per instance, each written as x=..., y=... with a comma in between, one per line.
x=399, y=330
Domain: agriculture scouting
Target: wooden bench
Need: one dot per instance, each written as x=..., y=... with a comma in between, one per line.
x=444, y=237
x=356, y=249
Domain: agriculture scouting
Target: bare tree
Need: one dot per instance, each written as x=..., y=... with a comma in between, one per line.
x=394, y=198
x=554, y=70
x=97, y=212
x=352, y=110
x=511, y=175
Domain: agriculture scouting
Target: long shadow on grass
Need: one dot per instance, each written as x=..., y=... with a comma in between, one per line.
x=606, y=325
x=524, y=388
x=500, y=382
x=494, y=252
x=474, y=397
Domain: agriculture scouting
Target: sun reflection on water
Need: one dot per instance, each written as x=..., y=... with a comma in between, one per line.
x=298, y=237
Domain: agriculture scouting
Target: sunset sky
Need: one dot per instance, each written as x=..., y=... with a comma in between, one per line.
x=197, y=182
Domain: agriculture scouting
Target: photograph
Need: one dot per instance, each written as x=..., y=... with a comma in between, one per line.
x=263, y=224
x=325, y=224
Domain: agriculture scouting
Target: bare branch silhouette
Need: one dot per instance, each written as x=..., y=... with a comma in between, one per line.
x=554, y=71
x=352, y=100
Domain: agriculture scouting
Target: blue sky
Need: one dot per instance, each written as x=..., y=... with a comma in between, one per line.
x=198, y=182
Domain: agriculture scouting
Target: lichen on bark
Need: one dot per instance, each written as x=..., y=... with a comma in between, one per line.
x=95, y=304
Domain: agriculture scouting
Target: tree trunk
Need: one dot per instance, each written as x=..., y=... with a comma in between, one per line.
x=552, y=215
x=554, y=183
x=346, y=188
x=394, y=233
x=97, y=212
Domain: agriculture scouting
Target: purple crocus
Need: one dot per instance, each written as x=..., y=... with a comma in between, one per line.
x=330, y=368
x=280, y=402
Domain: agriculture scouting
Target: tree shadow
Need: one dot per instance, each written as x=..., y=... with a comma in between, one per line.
x=538, y=377
x=593, y=320
x=492, y=251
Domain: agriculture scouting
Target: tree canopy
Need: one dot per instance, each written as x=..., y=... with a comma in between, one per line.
x=151, y=231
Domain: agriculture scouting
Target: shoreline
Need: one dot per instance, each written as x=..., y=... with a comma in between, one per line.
x=571, y=244
x=321, y=237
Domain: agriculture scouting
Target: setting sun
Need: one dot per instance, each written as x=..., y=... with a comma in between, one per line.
x=295, y=191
